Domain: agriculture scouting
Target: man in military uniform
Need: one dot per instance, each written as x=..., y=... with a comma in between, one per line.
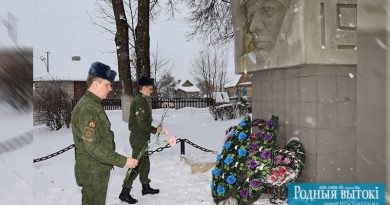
x=140, y=121
x=94, y=140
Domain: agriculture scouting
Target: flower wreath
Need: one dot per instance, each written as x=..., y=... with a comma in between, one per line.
x=259, y=161
x=249, y=163
x=231, y=161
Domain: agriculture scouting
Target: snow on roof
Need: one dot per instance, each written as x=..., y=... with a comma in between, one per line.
x=233, y=82
x=187, y=89
x=246, y=83
x=74, y=71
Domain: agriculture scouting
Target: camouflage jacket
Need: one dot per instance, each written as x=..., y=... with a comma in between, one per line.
x=92, y=135
x=140, y=120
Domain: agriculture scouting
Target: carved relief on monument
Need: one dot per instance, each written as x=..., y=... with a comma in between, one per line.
x=283, y=33
x=262, y=22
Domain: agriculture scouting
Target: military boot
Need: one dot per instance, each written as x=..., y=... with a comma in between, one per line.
x=146, y=189
x=125, y=196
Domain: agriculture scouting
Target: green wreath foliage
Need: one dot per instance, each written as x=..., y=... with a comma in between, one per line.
x=249, y=162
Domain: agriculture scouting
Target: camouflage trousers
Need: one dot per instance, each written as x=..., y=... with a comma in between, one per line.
x=94, y=187
x=142, y=169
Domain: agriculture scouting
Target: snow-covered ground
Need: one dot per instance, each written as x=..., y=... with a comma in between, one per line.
x=52, y=181
x=16, y=175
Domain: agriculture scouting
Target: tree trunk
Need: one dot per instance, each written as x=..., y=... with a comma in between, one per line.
x=122, y=47
x=143, y=39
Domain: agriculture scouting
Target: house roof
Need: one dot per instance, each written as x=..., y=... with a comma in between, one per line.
x=187, y=89
x=74, y=71
x=233, y=82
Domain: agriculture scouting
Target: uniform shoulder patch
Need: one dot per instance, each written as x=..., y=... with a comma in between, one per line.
x=140, y=113
x=91, y=124
x=89, y=131
x=88, y=134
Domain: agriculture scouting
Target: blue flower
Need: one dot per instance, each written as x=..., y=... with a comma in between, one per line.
x=216, y=172
x=227, y=145
x=231, y=179
x=228, y=160
x=218, y=158
x=242, y=123
x=242, y=152
x=220, y=190
x=232, y=133
x=242, y=136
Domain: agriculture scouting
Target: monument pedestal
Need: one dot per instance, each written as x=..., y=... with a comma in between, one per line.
x=307, y=76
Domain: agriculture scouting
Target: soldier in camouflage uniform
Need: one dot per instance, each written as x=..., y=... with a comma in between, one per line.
x=94, y=140
x=140, y=120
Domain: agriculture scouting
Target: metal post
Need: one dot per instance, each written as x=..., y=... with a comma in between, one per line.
x=182, y=147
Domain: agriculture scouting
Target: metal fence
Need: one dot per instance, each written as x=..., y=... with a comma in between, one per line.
x=181, y=102
x=115, y=104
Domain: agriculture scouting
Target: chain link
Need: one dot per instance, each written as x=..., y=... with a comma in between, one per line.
x=198, y=147
x=54, y=154
x=160, y=149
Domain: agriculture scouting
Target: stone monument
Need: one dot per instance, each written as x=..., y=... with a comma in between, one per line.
x=302, y=58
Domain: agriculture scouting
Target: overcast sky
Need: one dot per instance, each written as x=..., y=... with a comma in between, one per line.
x=64, y=29
x=22, y=11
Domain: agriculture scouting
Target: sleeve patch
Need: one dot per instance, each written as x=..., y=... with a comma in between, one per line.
x=91, y=124
x=88, y=134
x=140, y=114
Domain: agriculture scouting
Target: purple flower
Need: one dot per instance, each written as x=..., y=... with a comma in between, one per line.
x=244, y=193
x=255, y=183
x=269, y=123
x=254, y=147
x=266, y=154
x=267, y=137
x=252, y=164
x=279, y=157
x=287, y=160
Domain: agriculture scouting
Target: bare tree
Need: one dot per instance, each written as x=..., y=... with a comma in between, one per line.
x=160, y=64
x=211, y=21
x=52, y=103
x=166, y=85
x=209, y=70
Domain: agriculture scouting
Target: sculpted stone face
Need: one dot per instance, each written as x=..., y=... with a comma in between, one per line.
x=264, y=19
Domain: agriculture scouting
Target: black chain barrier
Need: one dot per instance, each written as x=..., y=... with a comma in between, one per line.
x=149, y=152
x=54, y=154
x=197, y=146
